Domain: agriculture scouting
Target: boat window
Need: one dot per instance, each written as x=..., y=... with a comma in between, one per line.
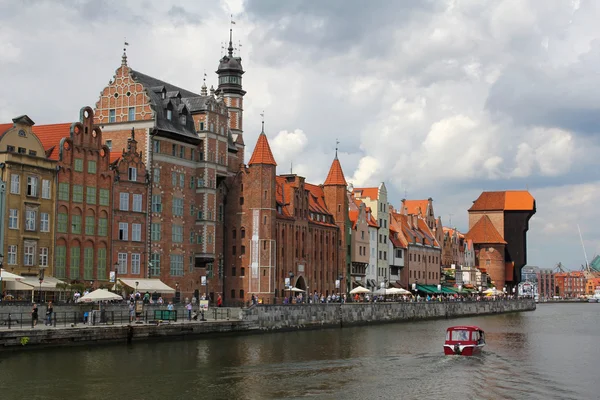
x=447, y=335
x=461, y=335
x=475, y=335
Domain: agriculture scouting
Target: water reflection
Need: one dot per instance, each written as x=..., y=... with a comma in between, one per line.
x=549, y=353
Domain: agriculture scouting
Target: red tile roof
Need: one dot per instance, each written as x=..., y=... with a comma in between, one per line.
x=415, y=206
x=353, y=216
x=262, y=152
x=114, y=156
x=336, y=175
x=371, y=193
x=5, y=127
x=51, y=135
x=484, y=232
x=512, y=200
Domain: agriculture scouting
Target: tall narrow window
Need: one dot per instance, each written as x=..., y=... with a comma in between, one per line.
x=45, y=189
x=90, y=196
x=101, y=272
x=88, y=263
x=78, y=193
x=76, y=224
x=122, y=260
x=91, y=166
x=155, y=264
x=15, y=184
x=29, y=255
x=89, y=225
x=104, y=197
x=137, y=203
x=124, y=201
x=13, y=218
x=30, y=219
x=32, y=186
x=133, y=174
x=102, y=226
x=75, y=262
x=131, y=114
x=136, y=232
x=156, y=203
x=156, y=177
x=43, y=261
x=78, y=165
x=12, y=255
x=135, y=264
x=44, y=222
x=61, y=262
x=156, y=146
x=112, y=115
x=123, y=231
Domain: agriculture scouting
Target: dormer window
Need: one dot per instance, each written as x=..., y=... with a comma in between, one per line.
x=163, y=94
x=182, y=119
x=169, y=114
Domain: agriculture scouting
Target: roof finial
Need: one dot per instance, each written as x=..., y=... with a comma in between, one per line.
x=124, y=57
x=203, y=92
x=336, y=147
x=262, y=114
x=230, y=48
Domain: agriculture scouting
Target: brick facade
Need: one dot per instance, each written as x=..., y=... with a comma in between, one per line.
x=84, y=203
x=130, y=209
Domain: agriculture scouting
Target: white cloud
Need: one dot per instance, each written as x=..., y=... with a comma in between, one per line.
x=443, y=99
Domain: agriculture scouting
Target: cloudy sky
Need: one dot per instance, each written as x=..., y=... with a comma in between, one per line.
x=440, y=99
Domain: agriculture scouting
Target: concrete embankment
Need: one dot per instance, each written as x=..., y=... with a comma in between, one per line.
x=263, y=318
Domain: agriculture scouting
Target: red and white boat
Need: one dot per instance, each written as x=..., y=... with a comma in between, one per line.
x=464, y=340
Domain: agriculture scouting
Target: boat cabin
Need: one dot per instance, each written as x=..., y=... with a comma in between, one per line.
x=465, y=334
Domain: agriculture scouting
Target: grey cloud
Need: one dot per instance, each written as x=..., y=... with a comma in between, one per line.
x=326, y=28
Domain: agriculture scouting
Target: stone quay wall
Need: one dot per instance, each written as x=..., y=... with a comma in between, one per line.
x=313, y=316
x=255, y=319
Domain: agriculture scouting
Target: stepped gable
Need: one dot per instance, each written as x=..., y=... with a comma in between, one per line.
x=484, y=232
x=511, y=200
x=415, y=207
x=262, y=152
x=336, y=175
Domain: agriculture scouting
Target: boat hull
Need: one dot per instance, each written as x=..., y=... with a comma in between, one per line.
x=462, y=350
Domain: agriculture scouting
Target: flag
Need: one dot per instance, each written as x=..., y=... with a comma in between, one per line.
x=126, y=44
x=232, y=22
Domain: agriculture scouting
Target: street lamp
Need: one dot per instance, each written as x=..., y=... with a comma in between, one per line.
x=1, y=261
x=291, y=274
x=41, y=280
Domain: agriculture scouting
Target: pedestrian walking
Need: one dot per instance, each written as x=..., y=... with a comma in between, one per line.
x=131, y=311
x=34, y=315
x=189, y=310
x=49, y=311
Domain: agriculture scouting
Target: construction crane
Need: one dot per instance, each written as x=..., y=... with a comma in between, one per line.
x=559, y=268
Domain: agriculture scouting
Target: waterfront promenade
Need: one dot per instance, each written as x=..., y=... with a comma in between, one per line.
x=257, y=318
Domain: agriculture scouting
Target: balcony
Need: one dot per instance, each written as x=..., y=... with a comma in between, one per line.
x=359, y=269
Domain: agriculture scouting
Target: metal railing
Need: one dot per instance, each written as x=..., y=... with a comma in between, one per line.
x=24, y=320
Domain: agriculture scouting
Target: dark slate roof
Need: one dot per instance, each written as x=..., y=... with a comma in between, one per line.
x=150, y=82
x=154, y=88
x=197, y=103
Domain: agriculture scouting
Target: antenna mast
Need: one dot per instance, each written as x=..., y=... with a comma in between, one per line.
x=587, y=265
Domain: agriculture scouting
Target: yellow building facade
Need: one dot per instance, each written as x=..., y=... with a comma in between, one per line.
x=27, y=200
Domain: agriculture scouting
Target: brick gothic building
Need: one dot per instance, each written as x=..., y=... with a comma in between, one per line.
x=191, y=144
x=498, y=224
x=83, y=208
x=282, y=227
x=130, y=206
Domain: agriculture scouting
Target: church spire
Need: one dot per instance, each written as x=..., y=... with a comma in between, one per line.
x=336, y=175
x=230, y=48
x=262, y=151
x=124, y=56
x=203, y=91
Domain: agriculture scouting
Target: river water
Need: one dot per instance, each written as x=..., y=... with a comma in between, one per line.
x=550, y=353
